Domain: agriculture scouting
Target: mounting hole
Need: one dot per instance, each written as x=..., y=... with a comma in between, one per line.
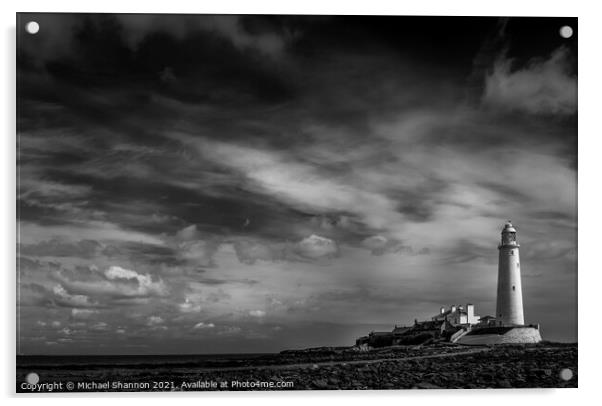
x=32, y=27
x=566, y=374
x=566, y=31
x=32, y=378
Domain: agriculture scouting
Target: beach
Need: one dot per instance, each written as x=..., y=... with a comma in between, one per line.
x=417, y=367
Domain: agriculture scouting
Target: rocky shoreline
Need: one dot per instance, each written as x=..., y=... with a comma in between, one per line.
x=526, y=366
x=419, y=367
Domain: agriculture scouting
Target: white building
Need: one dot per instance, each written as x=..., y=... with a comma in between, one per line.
x=458, y=315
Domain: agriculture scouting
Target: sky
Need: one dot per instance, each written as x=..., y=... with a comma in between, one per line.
x=220, y=184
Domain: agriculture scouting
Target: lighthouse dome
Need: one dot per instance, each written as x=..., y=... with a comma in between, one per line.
x=508, y=228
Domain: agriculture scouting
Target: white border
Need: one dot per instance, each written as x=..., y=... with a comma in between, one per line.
x=590, y=184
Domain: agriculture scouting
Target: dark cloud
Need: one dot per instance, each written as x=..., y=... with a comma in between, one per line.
x=144, y=253
x=57, y=248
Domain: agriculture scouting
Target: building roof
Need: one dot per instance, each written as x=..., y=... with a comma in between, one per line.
x=509, y=228
x=448, y=312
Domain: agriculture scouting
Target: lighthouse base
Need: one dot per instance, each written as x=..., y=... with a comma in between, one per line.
x=501, y=335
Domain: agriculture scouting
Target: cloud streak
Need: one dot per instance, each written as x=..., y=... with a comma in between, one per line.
x=542, y=87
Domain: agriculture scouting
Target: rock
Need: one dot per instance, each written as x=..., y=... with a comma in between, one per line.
x=334, y=381
x=320, y=383
x=426, y=385
x=487, y=376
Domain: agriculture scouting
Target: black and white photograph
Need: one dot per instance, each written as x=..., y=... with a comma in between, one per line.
x=219, y=202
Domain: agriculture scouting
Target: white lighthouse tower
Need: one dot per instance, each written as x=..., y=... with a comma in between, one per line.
x=509, y=310
x=509, y=325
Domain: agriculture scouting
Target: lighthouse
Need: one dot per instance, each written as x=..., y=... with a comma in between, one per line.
x=509, y=309
x=509, y=326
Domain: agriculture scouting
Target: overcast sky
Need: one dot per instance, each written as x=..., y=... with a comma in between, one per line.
x=196, y=184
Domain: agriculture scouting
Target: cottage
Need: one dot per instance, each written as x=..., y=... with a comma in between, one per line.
x=457, y=315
